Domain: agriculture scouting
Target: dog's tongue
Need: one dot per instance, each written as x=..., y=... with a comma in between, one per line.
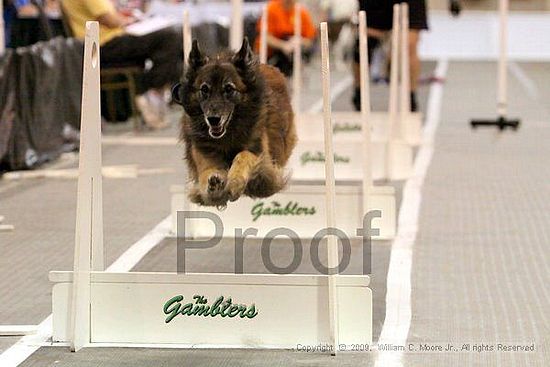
x=216, y=131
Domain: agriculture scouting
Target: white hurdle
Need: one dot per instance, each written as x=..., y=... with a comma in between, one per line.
x=297, y=60
x=393, y=163
x=332, y=244
x=410, y=123
x=92, y=307
x=187, y=44
x=364, y=76
x=263, y=36
x=187, y=38
x=502, y=79
x=393, y=107
x=502, y=121
x=236, y=31
x=88, y=255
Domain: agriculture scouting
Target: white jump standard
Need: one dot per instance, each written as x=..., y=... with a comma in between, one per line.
x=502, y=121
x=92, y=307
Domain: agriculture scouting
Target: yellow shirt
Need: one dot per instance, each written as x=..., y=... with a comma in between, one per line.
x=80, y=11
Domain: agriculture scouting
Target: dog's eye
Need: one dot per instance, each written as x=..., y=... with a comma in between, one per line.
x=205, y=89
x=229, y=88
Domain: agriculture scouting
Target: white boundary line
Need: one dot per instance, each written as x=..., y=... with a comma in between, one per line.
x=398, y=297
x=138, y=250
x=29, y=344
x=524, y=80
x=336, y=90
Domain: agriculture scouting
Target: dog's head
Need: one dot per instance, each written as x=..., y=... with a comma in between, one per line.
x=213, y=89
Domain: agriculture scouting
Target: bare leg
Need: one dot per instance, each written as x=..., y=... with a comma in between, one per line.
x=372, y=35
x=414, y=36
x=356, y=74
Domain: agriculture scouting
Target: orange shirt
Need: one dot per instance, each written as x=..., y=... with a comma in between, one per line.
x=280, y=22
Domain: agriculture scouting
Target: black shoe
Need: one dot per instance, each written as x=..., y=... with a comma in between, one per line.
x=356, y=100
x=414, y=103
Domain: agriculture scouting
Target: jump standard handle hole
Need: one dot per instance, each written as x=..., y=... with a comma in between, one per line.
x=94, y=55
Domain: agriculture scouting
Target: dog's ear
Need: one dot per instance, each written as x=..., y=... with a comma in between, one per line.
x=196, y=58
x=245, y=58
x=177, y=91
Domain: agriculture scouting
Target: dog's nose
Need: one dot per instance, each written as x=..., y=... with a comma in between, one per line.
x=214, y=121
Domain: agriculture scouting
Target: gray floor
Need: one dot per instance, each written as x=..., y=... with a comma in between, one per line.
x=479, y=262
x=480, y=268
x=7, y=341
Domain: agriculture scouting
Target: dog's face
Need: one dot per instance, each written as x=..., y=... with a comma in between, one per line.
x=218, y=89
x=213, y=88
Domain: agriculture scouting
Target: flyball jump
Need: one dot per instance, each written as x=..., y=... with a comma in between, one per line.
x=297, y=207
x=394, y=133
x=92, y=307
x=502, y=121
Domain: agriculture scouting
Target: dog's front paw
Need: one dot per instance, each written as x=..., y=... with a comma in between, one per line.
x=215, y=194
x=216, y=184
x=235, y=188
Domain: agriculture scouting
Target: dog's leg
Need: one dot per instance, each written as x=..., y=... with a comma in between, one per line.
x=212, y=177
x=267, y=180
x=239, y=174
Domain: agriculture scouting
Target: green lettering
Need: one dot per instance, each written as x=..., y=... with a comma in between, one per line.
x=257, y=211
x=225, y=307
x=174, y=307
x=201, y=310
x=187, y=309
x=242, y=311
x=233, y=310
x=215, y=310
x=304, y=158
x=251, y=313
x=171, y=310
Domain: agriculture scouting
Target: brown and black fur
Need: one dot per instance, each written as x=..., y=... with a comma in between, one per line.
x=246, y=154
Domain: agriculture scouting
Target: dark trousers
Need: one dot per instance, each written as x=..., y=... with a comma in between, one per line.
x=164, y=48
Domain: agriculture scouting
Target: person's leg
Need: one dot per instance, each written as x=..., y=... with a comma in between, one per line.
x=374, y=41
x=414, y=65
x=418, y=21
x=164, y=49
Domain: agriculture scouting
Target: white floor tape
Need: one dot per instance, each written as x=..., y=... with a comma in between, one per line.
x=398, y=297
